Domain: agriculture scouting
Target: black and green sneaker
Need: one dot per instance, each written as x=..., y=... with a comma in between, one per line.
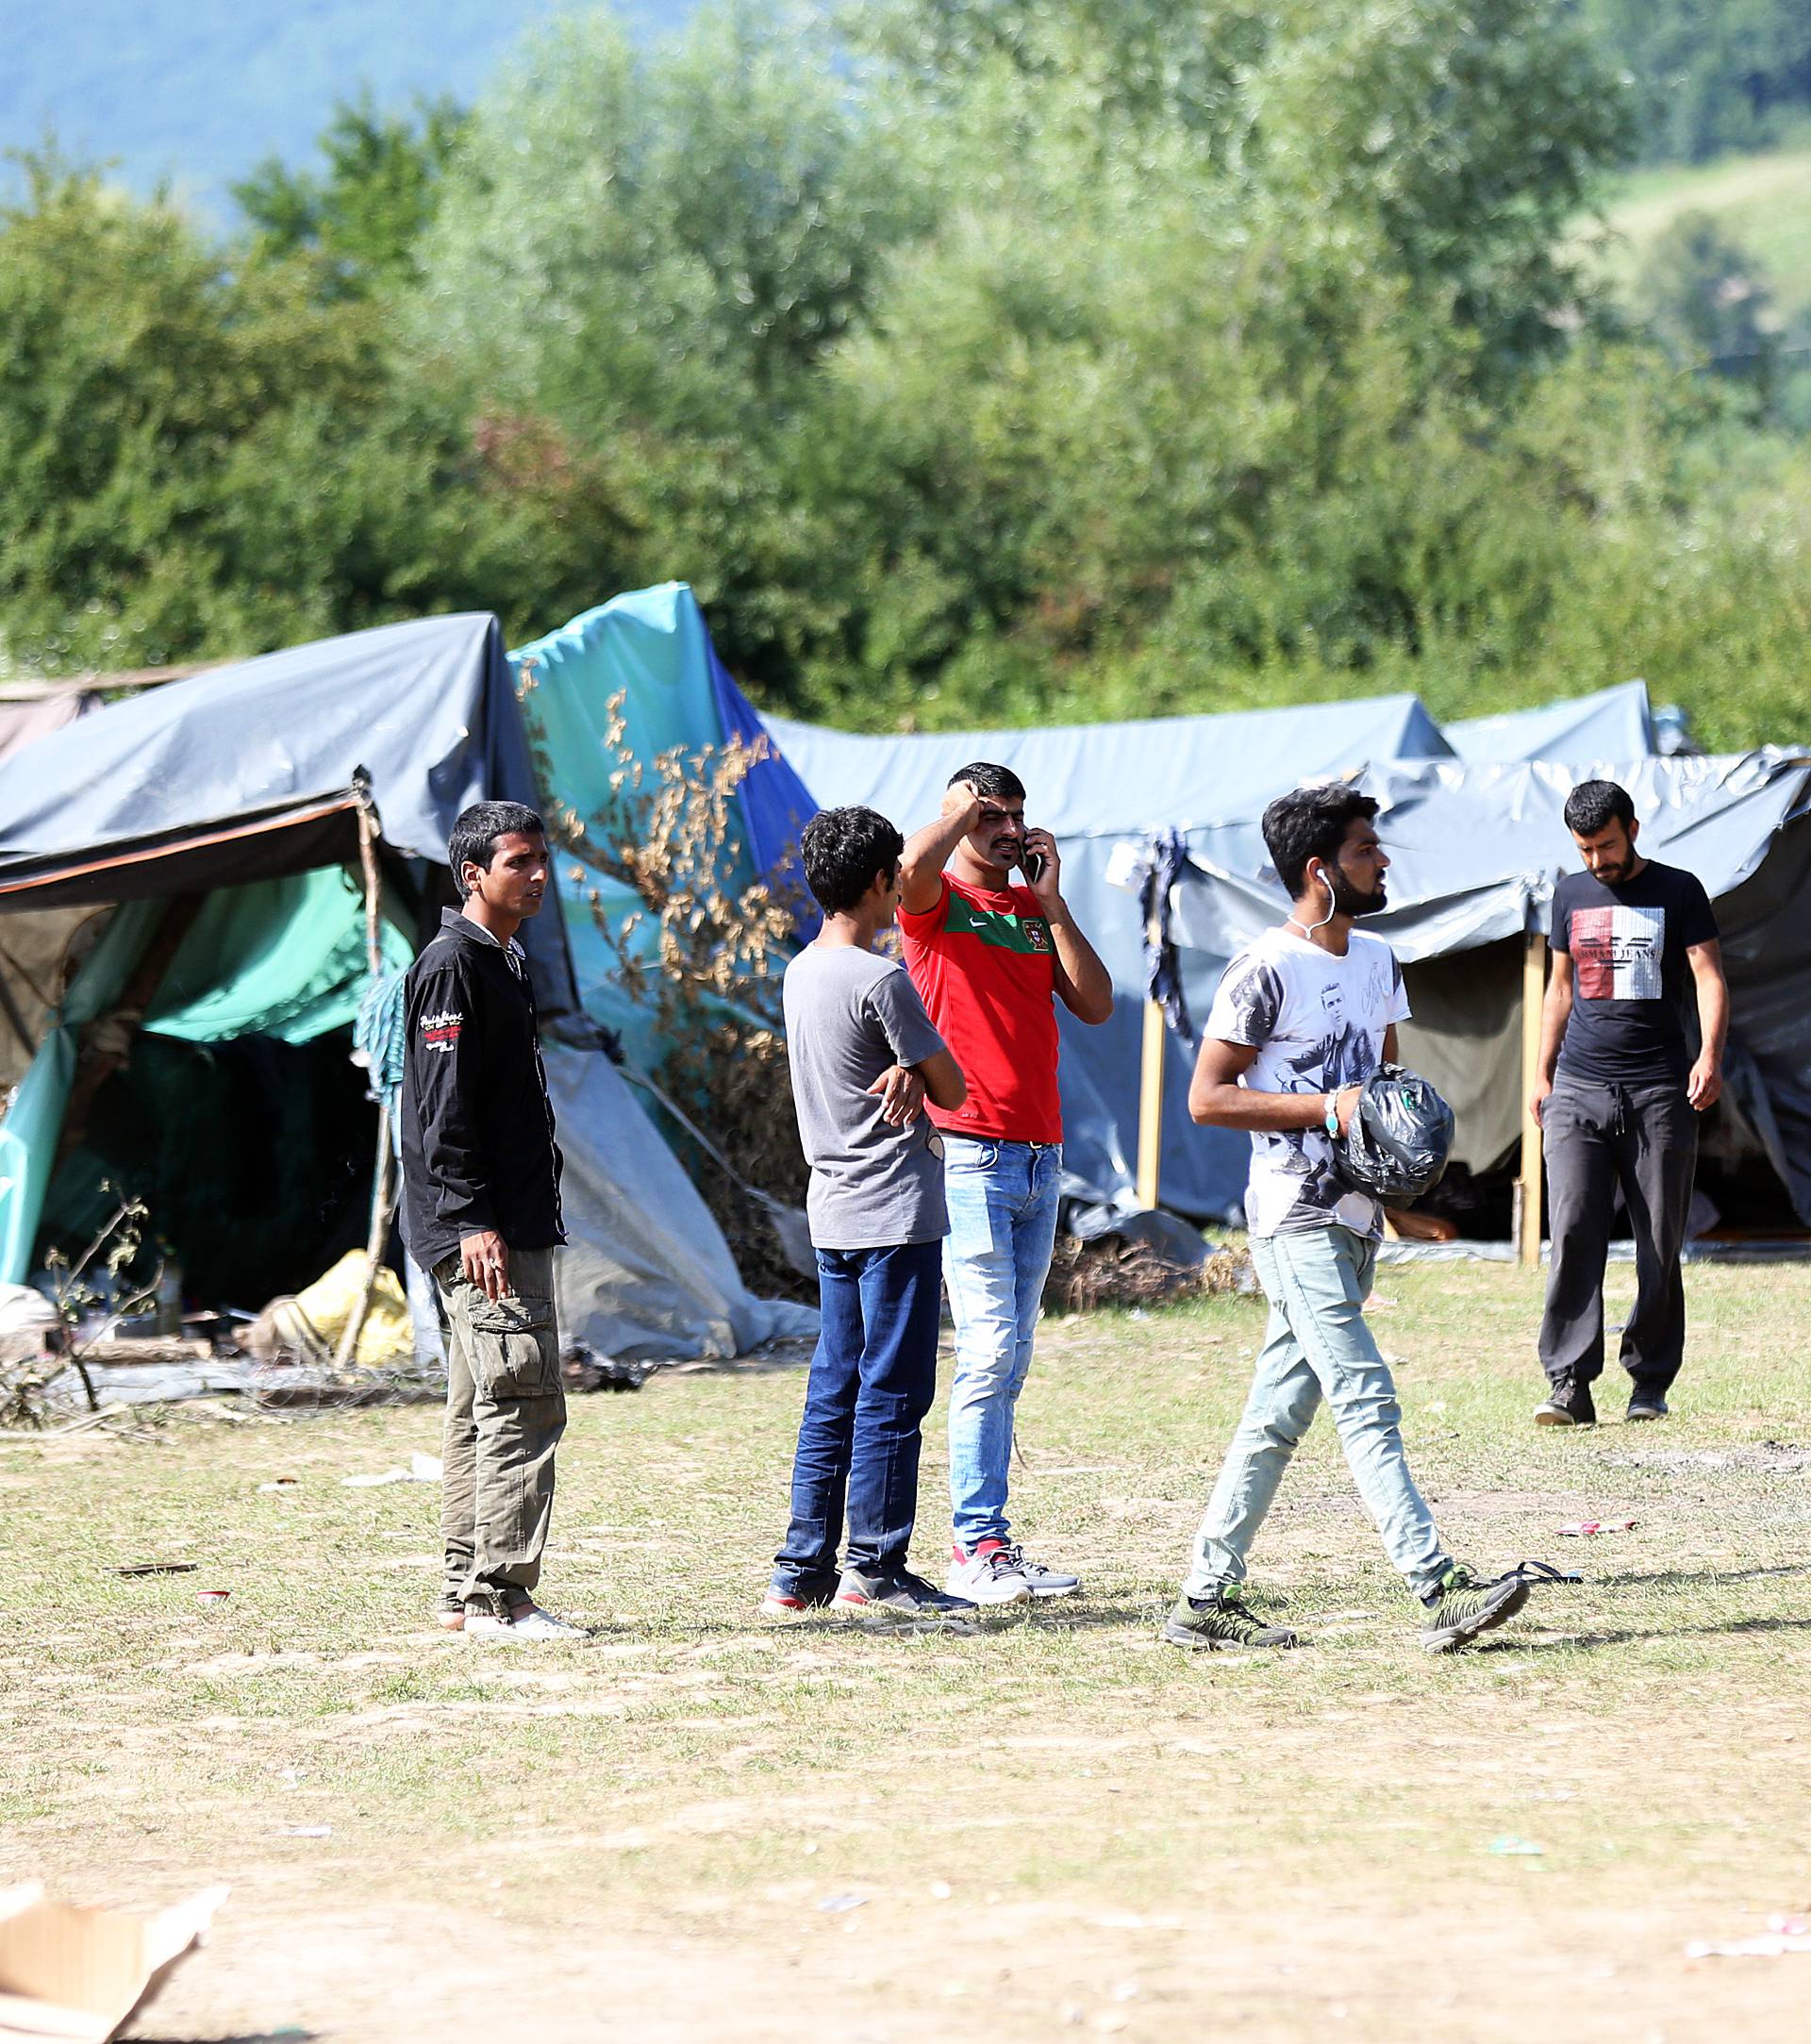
x=1464, y=1606
x=1220, y=1621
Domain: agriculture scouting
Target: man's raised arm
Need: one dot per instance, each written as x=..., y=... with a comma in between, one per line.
x=927, y=850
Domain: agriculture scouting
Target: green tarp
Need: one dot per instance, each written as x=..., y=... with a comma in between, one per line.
x=282, y=958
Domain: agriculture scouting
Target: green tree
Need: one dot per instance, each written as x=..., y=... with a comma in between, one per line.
x=1707, y=299
x=1709, y=78
x=198, y=458
x=364, y=216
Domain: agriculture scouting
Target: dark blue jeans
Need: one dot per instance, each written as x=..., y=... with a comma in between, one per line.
x=872, y=1382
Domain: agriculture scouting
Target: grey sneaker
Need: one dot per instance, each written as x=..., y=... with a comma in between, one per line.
x=989, y=1573
x=896, y=1594
x=1647, y=1405
x=1220, y=1621
x=1044, y=1582
x=1463, y=1606
x=1568, y=1404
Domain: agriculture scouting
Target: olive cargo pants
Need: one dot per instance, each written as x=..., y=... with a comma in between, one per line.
x=506, y=1410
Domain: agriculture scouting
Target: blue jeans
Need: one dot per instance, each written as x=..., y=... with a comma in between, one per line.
x=873, y=1379
x=1317, y=1345
x=1003, y=1226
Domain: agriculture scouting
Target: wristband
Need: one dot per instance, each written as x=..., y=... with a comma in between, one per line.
x=1331, y=1120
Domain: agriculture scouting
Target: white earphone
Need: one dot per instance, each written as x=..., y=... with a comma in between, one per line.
x=1308, y=929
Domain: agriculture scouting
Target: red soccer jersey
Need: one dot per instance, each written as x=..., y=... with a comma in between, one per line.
x=986, y=969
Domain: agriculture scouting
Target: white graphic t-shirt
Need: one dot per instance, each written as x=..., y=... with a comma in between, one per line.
x=1316, y=1023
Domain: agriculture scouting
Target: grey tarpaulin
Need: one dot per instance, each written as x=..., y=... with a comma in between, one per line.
x=1474, y=854
x=427, y=710
x=1614, y=723
x=646, y=1272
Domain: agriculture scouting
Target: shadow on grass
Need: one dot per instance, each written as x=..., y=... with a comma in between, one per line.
x=1688, y=1578
x=1510, y=1643
x=287, y=2034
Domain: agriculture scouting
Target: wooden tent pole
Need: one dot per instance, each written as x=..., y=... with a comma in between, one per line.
x=1151, y=1104
x=374, y=1241
x=1534, y=989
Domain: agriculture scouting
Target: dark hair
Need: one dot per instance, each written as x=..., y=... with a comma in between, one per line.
x=988, y=780
x=1594, y=806
x=474, y=842
x=845, y=850
x=1310, y=823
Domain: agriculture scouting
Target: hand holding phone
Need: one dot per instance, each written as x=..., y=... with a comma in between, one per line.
x=1037, y=858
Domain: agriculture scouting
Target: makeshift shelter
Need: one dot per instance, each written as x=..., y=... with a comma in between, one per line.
x=216, y=819
x=1475, y=852
x=1490, y=791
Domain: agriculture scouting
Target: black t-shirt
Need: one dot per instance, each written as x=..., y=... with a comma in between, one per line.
x=1629, y=974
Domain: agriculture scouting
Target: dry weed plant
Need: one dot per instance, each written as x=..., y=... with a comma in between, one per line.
x=25, y=1384
x=1085, y=1276
x=669, y=833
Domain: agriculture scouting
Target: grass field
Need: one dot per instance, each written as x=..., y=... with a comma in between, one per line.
x=696, y=1827
x=1763, y=201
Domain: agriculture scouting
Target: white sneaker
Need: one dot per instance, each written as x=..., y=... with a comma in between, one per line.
x=533, y=1625
x=988, y=1575
x=1044, y=1582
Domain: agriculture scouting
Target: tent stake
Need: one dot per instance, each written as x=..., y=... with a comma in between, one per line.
x=380, y=1175
x=1533, y=988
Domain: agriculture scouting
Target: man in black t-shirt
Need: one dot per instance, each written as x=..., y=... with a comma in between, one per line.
x=1618, y=1095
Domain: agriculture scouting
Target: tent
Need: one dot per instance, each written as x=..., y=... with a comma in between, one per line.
x=216, y=820
x=1614, y=723
x=1475, y=850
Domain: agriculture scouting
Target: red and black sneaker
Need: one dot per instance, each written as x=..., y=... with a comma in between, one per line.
x=788, y=1597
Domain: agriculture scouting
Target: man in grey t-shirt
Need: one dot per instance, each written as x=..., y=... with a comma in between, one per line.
x=864, y=1059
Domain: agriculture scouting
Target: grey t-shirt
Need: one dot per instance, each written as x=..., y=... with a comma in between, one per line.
x=850, y=1015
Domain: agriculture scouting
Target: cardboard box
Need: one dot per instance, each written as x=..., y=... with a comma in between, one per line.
x=74, y=1975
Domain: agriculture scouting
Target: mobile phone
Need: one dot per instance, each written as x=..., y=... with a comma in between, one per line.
x=1031, y=864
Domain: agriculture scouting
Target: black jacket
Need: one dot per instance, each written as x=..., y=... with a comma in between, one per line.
x=478, y=1135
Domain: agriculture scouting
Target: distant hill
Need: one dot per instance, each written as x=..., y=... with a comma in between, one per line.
x=1762, y=201
x=196, y=92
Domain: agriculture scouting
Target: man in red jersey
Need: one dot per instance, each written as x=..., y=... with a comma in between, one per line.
x=990, y=961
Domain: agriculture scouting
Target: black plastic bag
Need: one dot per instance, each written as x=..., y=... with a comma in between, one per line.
x=1398, y=1140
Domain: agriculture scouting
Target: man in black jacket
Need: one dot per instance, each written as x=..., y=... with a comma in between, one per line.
x=481, y=1211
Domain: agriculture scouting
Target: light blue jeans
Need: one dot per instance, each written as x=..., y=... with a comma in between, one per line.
x=1317, y=1346
x=1003, y=1226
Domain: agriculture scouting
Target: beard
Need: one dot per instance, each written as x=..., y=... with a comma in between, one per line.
x=1347, y=901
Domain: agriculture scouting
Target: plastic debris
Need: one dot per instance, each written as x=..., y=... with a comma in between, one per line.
x=157, y=1568
x=423, y=1469
x=1581, y=1528
x=307, y=1831
x=1510, y=1847
x=835, y=1905
x=1766, y=1945
x=73, y=1973
x=212, y=1596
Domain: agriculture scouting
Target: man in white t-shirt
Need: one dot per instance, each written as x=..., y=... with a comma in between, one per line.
x=1301, y=1017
